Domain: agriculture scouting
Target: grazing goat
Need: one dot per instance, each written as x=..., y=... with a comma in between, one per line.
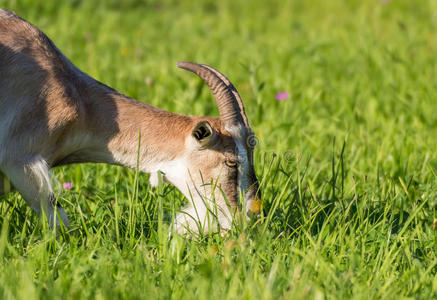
x=53, y=114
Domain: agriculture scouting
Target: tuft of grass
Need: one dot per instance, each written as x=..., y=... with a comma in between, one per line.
x=347, y=164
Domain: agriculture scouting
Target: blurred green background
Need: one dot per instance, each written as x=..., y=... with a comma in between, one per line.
x=347, y=161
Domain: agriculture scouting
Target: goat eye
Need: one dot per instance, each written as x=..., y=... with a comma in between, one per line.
x=231, y=164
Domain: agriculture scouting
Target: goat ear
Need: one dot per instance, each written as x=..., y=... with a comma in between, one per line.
x=203, y=133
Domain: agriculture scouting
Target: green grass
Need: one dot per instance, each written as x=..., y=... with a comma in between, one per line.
x=348, y=163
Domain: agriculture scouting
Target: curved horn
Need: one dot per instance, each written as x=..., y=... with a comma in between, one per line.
x=226, y=96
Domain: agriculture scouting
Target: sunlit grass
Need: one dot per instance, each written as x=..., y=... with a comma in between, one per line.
x=347, y=163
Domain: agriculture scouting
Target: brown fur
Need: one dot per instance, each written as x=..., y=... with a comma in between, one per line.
x=62, y=116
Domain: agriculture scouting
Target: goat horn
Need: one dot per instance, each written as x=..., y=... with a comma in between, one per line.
x=226, y=96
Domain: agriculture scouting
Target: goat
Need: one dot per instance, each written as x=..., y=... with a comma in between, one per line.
x=53, y=114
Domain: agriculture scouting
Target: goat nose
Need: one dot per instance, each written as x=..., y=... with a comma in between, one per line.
x=253, y=207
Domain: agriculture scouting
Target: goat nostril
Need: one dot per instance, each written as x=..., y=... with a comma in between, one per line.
x=253, y=207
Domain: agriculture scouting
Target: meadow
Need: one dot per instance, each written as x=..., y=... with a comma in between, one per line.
x=347, y=159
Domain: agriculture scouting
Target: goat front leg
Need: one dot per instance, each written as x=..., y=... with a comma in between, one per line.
x=31, y=177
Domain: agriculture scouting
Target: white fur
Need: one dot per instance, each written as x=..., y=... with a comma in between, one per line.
x=196, y=216
x=38, y=169
x=154, y=179
x=176, y=172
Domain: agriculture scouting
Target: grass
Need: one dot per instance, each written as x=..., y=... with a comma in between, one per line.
x=348, y=163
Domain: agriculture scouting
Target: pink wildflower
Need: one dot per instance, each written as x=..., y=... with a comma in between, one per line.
x=281, y=96
x=67, y=185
